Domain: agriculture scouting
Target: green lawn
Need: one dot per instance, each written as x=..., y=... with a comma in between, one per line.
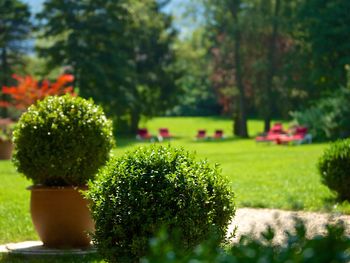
x=262, y=175
x=271, y=176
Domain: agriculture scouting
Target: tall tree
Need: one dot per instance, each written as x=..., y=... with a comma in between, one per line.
x=285, y=54
x=271, y=61
x=325, y=33
x=119, y=51
x=234, y=6
x=153, y=89
x=15, y=27
x=259, y=34
x=224, y=27
x=272, y=52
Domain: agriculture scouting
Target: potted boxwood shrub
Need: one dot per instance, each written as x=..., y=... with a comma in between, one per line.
x=6, y=145
x=60, y=143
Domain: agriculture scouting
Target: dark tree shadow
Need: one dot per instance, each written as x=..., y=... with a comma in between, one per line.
x=126, y=141
x=215, y=141
x=331, y=202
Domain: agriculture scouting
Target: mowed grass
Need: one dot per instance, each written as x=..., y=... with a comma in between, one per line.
x=262, y=175
x=15, y=222
x=271, y=176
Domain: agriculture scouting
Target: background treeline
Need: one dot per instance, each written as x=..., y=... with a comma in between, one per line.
x=270, y=57
x=242, y=58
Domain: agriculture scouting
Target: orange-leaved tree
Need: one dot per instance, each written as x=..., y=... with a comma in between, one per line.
x=28, y=90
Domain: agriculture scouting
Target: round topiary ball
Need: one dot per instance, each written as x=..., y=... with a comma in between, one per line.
x=136, y=195
x=334, y=167
x=62, y=141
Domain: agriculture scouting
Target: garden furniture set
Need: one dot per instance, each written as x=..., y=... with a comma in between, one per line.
x=143, y=134
x=277, y=135
x=218, y=135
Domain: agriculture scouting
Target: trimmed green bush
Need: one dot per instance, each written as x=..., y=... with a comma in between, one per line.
x=334, y=167
x=137, y=194
x=62, y=141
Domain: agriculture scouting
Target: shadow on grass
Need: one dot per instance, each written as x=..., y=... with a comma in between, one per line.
x=10, y=258
x=252, y=205
x=215, y=141
x=294, y=205
x=332, y=203
x=123, y=141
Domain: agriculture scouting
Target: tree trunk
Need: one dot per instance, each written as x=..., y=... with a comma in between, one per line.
x=236, y=125
x=4, y=81
x=272, y=67
x=134, y=122
x=242, y=115
x=4, y=67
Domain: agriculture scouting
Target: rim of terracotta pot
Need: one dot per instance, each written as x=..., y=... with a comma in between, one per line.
x=8, y=141
x=56, y=188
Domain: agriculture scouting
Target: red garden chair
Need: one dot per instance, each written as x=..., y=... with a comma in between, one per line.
x=273, y=134
x=299, y=136
x=219, y=134
x=164, y=133
x=201, y=134
x=142, y=134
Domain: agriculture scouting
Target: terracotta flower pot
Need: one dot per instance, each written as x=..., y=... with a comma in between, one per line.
x=61, y=217
x=5, y=150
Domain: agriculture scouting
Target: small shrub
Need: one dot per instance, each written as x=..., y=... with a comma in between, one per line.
x=329, y=119
x=6, y=129
x=62, y=141
x=334, y=167
x=139, y=193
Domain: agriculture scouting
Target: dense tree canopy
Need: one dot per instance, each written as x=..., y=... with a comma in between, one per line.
x=119, y=51
x=326, y=36
x=261, y=58
x=197, y=97
x=15, y=27
x=273, y=56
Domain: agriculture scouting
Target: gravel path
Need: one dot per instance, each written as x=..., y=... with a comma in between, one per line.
x=254, y=221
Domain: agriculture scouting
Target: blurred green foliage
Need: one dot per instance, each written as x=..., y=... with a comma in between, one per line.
x=329, y=118
x=15, y=28
x=297, y=248
x=119, y=51
x=198, y=97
